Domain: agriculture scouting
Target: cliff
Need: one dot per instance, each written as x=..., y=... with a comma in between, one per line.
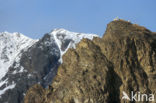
x=103, y=69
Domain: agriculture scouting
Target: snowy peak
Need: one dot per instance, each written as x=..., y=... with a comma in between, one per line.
x=16, y=36
x=66, y=39
x=10, y=46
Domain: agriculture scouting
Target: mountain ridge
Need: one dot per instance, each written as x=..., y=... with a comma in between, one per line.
x=99, y=70
x=36, y=62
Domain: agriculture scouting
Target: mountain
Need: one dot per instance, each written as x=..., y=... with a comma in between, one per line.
x=105, y=70
x=10, y=46
x=25, y=62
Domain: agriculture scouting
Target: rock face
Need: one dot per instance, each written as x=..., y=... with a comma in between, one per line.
x=104, y=69
x=36, y=64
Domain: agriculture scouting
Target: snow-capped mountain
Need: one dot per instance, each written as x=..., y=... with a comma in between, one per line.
x=25, y=62
x=11, y=45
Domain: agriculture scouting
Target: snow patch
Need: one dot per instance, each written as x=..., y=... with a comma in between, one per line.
x=6, y=88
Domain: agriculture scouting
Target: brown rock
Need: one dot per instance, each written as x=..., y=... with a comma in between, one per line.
x=35, y=94
x=99, y=71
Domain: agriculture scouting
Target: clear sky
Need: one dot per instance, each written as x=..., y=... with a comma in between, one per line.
x=34, y=18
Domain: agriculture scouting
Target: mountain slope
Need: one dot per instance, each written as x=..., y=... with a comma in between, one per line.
x=11, y=45
x=36, y=63
x=100, y=70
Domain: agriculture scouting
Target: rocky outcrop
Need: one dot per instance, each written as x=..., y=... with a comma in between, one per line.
x=104, y=69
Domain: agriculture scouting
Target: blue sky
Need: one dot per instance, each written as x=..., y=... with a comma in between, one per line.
x=34, y=18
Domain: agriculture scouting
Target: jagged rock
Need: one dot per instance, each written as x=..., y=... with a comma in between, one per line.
x=39, y=98
x=99, y=71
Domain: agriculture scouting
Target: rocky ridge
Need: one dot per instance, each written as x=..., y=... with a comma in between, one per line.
x=103, y=69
